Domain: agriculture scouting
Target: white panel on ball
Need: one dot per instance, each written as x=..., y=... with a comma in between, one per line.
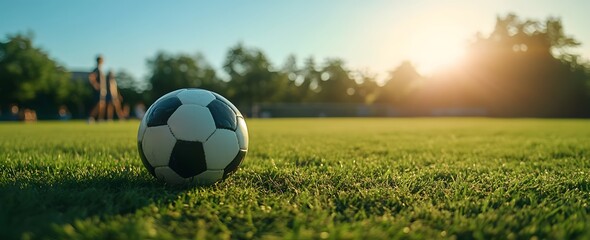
x=196, y=96
x=170, y=94
x=192, y=123
x=141, y=131
x=220, y=149
x=169, y=176
x=157, y=145
x=242, y=133
x=208, y=177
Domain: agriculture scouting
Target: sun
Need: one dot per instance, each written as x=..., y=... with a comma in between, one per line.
x=436, y=48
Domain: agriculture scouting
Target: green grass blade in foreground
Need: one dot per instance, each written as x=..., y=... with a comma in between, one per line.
x=307, y=178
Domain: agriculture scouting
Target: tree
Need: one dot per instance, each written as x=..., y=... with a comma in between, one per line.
x=171, y=72
x=29, y=76
x=132, y=90
x=336, y=84
x=252, y=78
x=292, y=80
x=308, y=81
x=401, y=82
x=80, y=97
x=367, y=87
x=527, y=70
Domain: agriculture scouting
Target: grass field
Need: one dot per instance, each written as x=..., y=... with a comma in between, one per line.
x=307, y=178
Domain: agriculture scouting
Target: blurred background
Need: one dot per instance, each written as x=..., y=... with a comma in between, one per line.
x=301, y=58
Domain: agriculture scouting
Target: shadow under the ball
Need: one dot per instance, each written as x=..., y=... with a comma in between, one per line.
x=36, y=207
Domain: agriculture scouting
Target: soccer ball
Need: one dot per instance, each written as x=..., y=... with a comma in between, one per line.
x=192, y=136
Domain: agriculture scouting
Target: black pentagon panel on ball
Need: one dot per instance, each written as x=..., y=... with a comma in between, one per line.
x=161, y=111
x=233, y=165
x=224, y=100
x=144, y=159
x=188, y=158
x=223, y=115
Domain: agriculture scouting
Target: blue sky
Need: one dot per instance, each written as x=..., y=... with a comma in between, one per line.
x=370, y=35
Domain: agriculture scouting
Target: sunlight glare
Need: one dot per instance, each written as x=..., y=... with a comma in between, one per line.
x=436, y=48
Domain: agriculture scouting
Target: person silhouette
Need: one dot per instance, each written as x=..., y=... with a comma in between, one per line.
x=98, y=82
x=113, y=98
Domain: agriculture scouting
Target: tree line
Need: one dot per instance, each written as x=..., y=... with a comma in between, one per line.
x=523, y=68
